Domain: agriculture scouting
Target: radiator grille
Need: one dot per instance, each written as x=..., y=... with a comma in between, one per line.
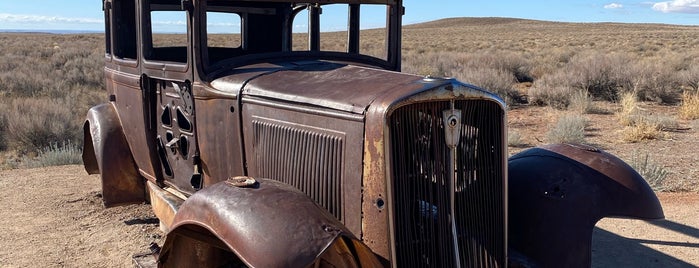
x=308, y=160
x=420, y=161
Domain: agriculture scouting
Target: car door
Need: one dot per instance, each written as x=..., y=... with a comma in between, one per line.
x=167, y=76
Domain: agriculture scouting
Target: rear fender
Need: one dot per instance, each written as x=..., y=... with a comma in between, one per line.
x=558, y=192
x=106, y=152
x=268, y=224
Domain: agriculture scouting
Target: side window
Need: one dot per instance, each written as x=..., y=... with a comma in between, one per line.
x=107, y=28
x=334, y=31
x=223, y=37
x=124, y=29
x=333, y=28
x=166, y=38
x=372, y=38
x=299, y=38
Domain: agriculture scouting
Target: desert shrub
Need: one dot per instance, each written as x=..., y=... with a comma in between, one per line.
x=34, y=64
x=509, y=62
x=55, y=155
x=493, y=80
x=570, y=128
x=3, y=127
x=487, y=71
x=648, y=127
x=656, y=82
x=597, y=73
x=690, y=106
x=690, y=76
x=640, y=126
x=551, y=90
x=514, y=139
x=33, y=124
x=642, y=130
x=653, y=173
x=580, y=102
x=629, y=106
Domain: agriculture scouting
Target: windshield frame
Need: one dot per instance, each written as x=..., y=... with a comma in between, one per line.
x=286, y=11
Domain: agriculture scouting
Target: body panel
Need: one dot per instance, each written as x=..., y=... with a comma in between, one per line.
x=255, y=221
x=121, y=183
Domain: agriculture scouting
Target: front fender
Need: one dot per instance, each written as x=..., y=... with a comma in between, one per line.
x=106, y=151
x=270, y=224
x=558, y=192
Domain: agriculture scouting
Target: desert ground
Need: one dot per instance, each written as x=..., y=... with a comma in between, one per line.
x=53, y=217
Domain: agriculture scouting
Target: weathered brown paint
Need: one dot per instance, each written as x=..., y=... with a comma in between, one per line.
x=336, y=100
x=559, y=191
x=255, y=223
x=121, y=183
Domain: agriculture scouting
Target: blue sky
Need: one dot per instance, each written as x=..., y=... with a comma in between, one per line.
x=87, y=14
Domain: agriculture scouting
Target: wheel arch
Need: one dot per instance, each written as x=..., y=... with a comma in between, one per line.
x=270, y=224
x=558, y=192
x=106, y=152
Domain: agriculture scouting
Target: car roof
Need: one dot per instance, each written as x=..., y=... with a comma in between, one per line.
x=385, y=2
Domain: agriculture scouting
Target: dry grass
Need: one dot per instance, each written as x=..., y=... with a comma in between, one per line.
x=47, y=82
x=570, y=128
x=690, y=106
x=641, y=126
x=605, y=59
x=629, y=108
x=643, y=130
x=653, y=173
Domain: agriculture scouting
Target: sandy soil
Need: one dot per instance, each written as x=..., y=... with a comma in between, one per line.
x=53, y=217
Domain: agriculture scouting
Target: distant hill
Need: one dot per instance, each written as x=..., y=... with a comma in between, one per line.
x=470, y=21
x=497, y=21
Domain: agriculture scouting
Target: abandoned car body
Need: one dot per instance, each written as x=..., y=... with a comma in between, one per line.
x=270, y=150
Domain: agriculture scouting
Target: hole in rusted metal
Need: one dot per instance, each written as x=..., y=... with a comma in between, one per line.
x=380, y=203
x=183, y=121
x=183, y=146
x=166, y=117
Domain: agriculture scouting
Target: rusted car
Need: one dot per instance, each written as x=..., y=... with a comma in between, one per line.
x=263, y=147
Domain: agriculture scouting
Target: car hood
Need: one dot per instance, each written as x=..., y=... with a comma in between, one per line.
x=331, y=85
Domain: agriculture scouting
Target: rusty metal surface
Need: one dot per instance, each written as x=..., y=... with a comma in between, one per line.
x=121, y=183
x=128, y=101
x=376, y=205
x=332, y=85
x=164, y=204
x=321, y=155
x=219, y=139
x=557, y=194
x=271, y=225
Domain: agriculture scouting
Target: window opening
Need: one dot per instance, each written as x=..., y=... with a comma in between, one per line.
x=223, y=36
x=124, y=15
x=373, y=34
x=168, y=36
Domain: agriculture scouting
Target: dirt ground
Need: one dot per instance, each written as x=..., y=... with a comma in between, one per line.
x=53, y=217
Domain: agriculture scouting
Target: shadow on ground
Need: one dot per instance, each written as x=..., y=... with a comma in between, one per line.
x=612, y=250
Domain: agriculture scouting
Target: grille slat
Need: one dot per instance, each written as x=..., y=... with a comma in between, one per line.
x=420, y=161
x=308, y=160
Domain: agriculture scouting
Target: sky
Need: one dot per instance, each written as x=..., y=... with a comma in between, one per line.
x=86, y=15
